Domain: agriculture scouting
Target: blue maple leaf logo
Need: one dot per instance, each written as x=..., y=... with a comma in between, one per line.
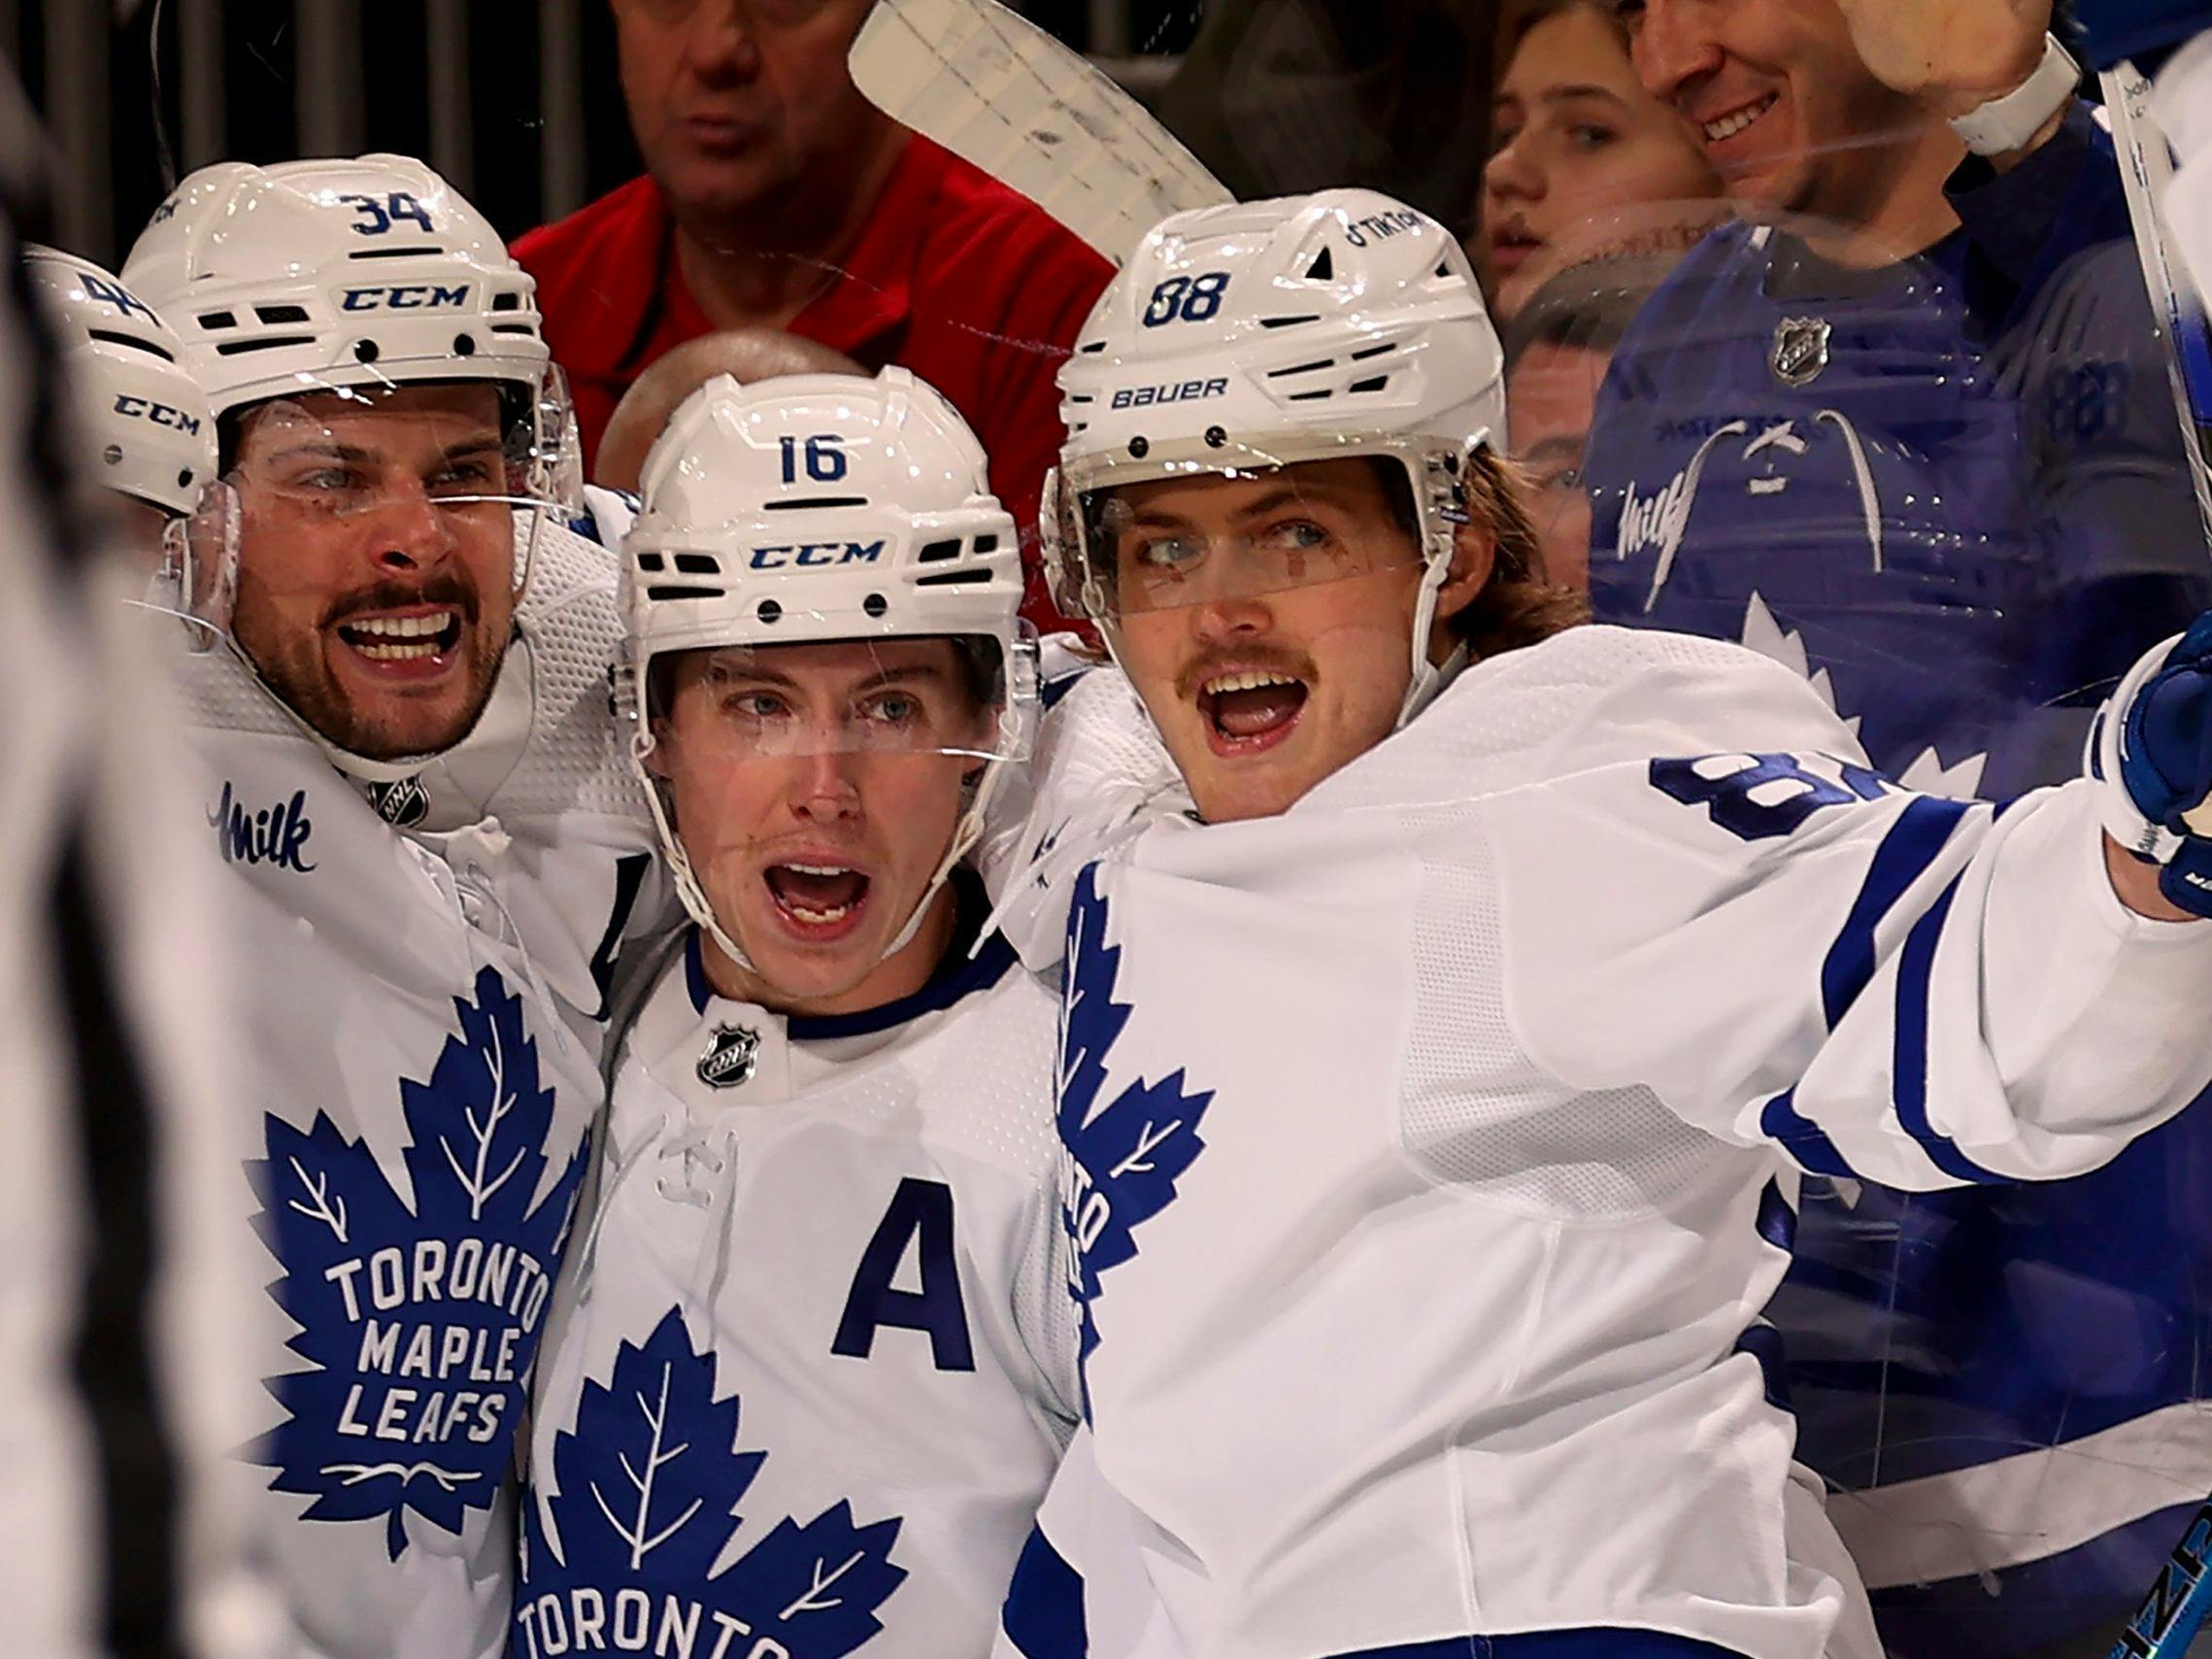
x=1122, y=1161
x=420, y=1325
x=650, y=1483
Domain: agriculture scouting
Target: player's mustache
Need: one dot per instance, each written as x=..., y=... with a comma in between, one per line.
x=444, y=588
x=1266, y=658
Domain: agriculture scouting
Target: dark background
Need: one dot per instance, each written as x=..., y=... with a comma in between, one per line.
x=279, y=79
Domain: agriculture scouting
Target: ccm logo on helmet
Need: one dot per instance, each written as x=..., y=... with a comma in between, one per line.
x=160, y=413
x=815, y=554
x=1139, y=396
x=407, y=297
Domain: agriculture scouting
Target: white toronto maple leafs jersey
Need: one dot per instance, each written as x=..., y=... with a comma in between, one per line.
x=813, y=1364
x=423, y=1012
x=1430, y=1151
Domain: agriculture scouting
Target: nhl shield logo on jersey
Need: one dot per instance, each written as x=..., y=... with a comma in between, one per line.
x=1121, y=1159
x=732, y=1054
x=1800, y=350
x=402, y=804
x=625, y=1551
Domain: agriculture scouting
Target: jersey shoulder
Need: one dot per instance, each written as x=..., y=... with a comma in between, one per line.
x=1590, y=697
x=573, y=624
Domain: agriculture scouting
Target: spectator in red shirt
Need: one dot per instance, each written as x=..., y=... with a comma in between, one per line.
x=777, y=196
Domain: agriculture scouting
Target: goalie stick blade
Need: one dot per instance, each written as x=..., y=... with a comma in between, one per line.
x=999, y=92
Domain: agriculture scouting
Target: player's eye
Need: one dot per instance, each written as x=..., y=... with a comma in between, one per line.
x=1589, y=135
x=753, y=705
x=894, y=708
x=1168, y=555
x=1297, y=535
x=463, y=478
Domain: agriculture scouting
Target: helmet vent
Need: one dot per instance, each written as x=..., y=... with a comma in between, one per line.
x=218, y=320
x=938, y=550
x=1443, y=267
x=987, y=542
x=1303, y=368
x=698, y=564
x=1366, y=351
x=1323, y=269
x=1374, y=383
x=802, y=503
x=414, y=252
x=1286, y=321
x=507, y=302
x=652, y=562
x=514, y=329
x=280, y=313
x=671, y=592
x=951, y=578
x=1091, y=346
x=239, y=347
x=1309, y=396
x=149, y=347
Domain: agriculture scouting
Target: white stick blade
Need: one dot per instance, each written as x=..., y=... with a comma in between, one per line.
x=999, y=92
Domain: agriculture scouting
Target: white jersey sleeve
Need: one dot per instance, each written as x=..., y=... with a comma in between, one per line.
x=1786, y=947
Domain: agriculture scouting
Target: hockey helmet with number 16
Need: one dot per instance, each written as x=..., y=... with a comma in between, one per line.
x=810, y=509
x=1249, y=338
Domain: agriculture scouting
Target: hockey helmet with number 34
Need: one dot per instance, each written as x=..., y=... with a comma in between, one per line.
x=351, y=277
x=809, y=509
x=1246, y=338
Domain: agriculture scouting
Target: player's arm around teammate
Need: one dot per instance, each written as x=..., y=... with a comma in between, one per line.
x=813, y=1364
x=1435, y=1081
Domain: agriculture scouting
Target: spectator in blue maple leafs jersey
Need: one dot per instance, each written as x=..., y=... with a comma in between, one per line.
x=1908, y=427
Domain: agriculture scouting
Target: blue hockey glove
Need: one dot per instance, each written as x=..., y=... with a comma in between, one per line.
x=2151, y=749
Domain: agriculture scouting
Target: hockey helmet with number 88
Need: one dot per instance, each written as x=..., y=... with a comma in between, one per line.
x=1256, y=337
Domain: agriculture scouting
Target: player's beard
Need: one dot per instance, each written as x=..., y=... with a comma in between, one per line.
x=294, y=665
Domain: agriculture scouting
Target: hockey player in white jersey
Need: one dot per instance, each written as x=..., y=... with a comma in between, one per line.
x=1447, y=1025
x=147, y=420
x=813, y=1365
x=395, y=664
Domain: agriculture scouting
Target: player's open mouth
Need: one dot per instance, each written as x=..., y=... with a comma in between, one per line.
x=818, y=902
x=1248, y=710
x=1511, y=242
x=424, y=637
x=1726, y=125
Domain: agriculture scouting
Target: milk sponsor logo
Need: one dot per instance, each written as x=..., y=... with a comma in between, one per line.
x=619, y=1550
x=275, y=835
x=417, y=1323
x=1120, y=1158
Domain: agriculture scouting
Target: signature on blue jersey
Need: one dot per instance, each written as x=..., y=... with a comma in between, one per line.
x=418, y=1324
x=1119, y=1160
x=648, y=1488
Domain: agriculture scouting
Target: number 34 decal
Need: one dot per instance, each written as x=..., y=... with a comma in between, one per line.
x=379, y=215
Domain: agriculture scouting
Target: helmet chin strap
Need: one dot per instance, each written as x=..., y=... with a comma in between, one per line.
x=1429, y=677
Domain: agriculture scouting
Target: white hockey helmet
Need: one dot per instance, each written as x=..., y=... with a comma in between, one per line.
x=1260, y=335
x=144, y=412
x=811, y=508
x=314, y=276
